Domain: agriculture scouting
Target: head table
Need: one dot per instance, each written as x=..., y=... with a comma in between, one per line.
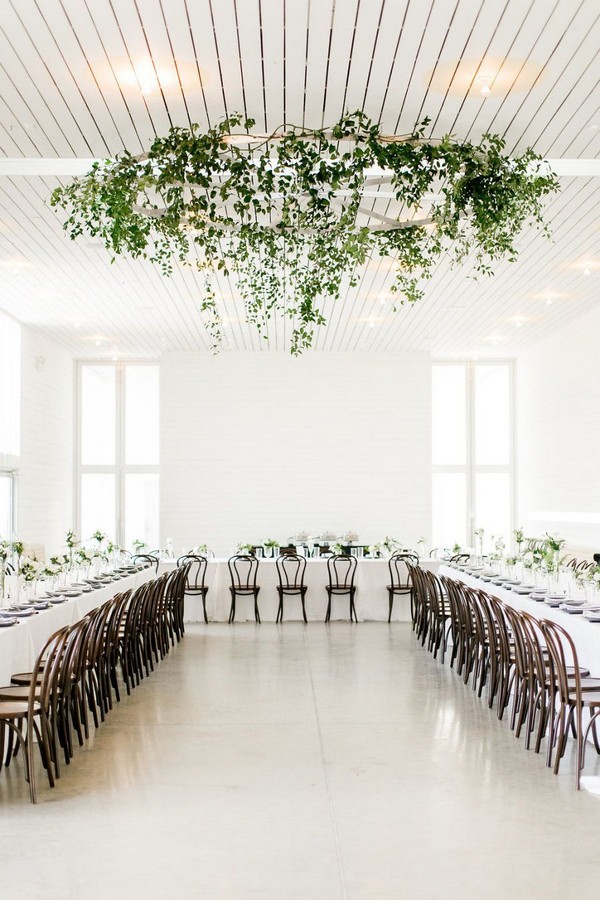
x=20, y=644
x=585, y=634
x=372, y=578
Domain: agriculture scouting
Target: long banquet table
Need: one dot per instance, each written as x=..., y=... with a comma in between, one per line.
x=20, y=643
x=586, y=635
x=372, y=578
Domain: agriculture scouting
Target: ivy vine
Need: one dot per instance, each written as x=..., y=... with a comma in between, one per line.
x=286, y=214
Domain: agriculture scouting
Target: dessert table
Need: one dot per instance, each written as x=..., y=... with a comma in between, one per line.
x=20, y=643
x=585, y=634
x=372, y=578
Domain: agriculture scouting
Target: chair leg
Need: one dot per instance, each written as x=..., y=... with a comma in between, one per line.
x=328, y=612
x=302, y=597
x=232, y=610
x=391, y=599
x=256, y=612
x=204, y=606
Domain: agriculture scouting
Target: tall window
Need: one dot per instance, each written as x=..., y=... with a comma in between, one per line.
x=472, y=451
x=10, y=419
x=117, y=466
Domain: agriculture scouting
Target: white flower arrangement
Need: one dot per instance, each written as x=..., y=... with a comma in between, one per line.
x=29, y=567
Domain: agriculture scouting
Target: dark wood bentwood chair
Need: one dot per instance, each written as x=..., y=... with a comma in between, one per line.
x=400, y=578
x=146, y=559
x=341, y=569
x=196, y=577
x=290, y=571
x=243, y=569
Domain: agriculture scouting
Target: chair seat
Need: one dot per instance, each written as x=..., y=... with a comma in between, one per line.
x=17, y=692
x=399, y=588
x=244, y=590
x=339, y=588
x=590, y=698
x=300, y=589
x=197, y=591
x=23, y=678
x=13, y=710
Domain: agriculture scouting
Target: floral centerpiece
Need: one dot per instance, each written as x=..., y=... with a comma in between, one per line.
x=201, y=550
x=245, y=549
x=270, y=546
x=390, y=545
x=479, y=533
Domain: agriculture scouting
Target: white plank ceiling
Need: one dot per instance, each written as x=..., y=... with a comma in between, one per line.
x=62, y=95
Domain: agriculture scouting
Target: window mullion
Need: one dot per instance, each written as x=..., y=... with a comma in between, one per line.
x=120, y=455
x=470, y=384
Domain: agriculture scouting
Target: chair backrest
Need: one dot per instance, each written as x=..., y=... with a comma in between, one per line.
x=341, y=568
x=558, y=641
x=147, y=559
x=197, y=570
x=47, y=668
x=459, y=557
x=290, y=550
x=399, y=571
x=290, y=569
x=243, y=569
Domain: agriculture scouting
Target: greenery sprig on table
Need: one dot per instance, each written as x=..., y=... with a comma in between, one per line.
x=284, y=214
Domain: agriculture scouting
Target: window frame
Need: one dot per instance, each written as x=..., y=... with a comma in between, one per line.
x=120, y=469
x=11, y=474
x=470, y=468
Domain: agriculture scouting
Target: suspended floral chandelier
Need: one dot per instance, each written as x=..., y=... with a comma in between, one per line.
x=292, y=216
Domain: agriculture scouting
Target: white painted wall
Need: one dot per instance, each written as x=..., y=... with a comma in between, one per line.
x=45, y=479
x=558, y=439
x=265, y=445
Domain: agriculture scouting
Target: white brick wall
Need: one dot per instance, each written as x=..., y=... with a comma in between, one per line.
x=263, y=445
x=45, y=481
x=558, y=404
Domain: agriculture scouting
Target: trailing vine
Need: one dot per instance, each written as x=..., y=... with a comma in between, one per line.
x=286, y=214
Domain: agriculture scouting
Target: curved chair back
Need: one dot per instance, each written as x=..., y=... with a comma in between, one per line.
x=196, y=573
x=341, y=569
x=243, y=569
x=148, y=559
x=290, y=550
x=399, y=572
x=290, y=569
x=459, y=557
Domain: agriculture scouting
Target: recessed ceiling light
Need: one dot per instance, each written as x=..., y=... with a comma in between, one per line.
x=148, y=76
x=548, y=300
x=371, y=324
x=518, y=324
x=484, y=82
x=587, y=271
x=460, y=77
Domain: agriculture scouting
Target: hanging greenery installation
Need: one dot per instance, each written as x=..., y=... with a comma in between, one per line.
x=292, y=216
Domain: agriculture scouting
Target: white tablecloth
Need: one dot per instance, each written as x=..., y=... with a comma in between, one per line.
x=371, y=600
x=586, y=635
x=20, y=644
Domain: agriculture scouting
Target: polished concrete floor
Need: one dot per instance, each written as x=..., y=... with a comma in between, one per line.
x=302, y=762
